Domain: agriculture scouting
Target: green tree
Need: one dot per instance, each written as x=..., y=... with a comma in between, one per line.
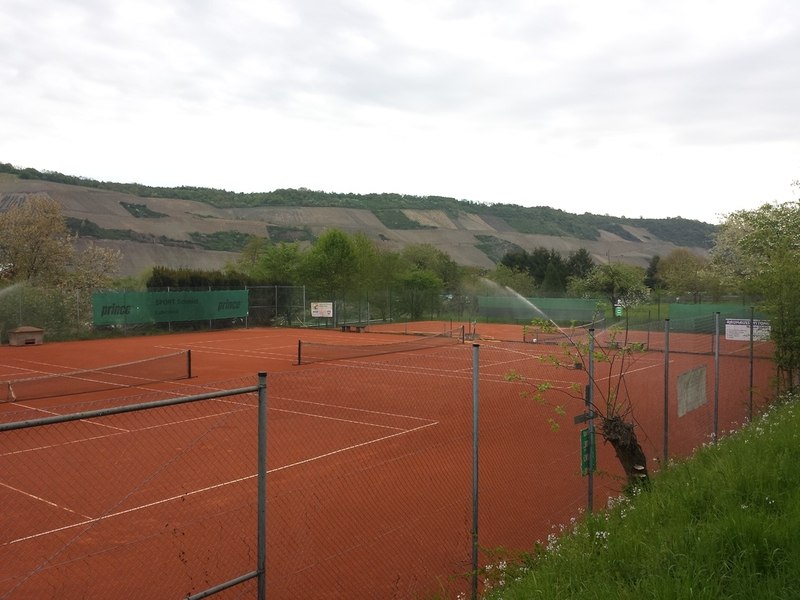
x=546, y=267
x=554, y=278
x=618, y=282
x=34, y=241
x=92, y=268
x=579, y=263
x=651, y=277
x=251, y=255
x=427, y=257
x=330, y=265
x=365, y=281
x=537, y=263
x=420, y=293
x=280, y=264
x=389, y=269
x=60, y=272
x=683, y=272
x=760, y=250
x=517, y=260
x=514, y=278
x=35, y=247
x=366, y=259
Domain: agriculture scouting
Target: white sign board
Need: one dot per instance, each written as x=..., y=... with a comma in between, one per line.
x=739, y=329
x=322, y=309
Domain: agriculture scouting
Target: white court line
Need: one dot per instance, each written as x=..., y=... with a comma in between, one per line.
x=28, y=371
x=212, y=487
x=461, y=374
x=242, y=407
x=16, y=373
x=123, y=431
x=365, y=410
x=200, y=418
x=353, y=447
x=71, y=370
x=350, y=421
x=263, y=335
x=40, y=499
x=406, y=369
x=62, y=444
x=89, y=421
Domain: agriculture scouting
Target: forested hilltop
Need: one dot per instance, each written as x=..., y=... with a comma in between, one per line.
x=389, y=207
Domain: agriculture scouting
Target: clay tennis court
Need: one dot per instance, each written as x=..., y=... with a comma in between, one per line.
x=369, y=460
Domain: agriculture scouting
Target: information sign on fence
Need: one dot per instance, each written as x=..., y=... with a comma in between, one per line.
x=739, y=329
x=322, y=310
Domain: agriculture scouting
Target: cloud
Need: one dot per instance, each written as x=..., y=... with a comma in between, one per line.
x=491, y=101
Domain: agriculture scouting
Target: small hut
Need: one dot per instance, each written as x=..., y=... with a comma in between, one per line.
x=25, y=336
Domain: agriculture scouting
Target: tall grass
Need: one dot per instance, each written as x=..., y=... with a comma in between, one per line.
x=724, y=524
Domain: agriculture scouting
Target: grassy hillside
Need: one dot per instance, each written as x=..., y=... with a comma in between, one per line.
x=725, y=524
x=540, y=220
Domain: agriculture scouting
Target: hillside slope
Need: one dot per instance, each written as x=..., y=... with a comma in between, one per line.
x=185, y=232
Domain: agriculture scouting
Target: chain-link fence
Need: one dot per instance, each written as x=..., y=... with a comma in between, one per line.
x=61, y=313
x=132, y=498
x=371, y=490
x=68, y=314
x=378, y=504
x=277, y=305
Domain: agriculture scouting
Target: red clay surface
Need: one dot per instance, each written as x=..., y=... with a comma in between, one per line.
x=370, y=474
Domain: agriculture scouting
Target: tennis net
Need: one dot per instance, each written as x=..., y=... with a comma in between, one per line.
x=311, y=352
x=166, y=367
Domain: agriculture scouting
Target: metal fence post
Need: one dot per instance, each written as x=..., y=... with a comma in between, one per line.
x=475, y=379
x=262, y=486
x=666, y=391
x=750, y=398
x=716, y=376
x=590, y=425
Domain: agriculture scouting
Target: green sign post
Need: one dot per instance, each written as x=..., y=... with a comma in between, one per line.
x=588, y=453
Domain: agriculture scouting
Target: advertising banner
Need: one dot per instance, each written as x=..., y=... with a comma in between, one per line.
x=128, y=308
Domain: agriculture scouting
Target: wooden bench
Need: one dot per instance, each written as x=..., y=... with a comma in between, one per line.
x=353, y=327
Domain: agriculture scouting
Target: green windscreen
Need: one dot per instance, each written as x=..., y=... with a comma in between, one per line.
x=126, y=308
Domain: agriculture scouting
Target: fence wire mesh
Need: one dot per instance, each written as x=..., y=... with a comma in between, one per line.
x=374, y=498
x=369, y=476
x=370, y=472
x=156, y=503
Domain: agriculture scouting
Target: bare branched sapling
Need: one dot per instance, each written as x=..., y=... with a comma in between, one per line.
x=611, y=403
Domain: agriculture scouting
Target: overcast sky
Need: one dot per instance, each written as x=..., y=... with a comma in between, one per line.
x=632, y=108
